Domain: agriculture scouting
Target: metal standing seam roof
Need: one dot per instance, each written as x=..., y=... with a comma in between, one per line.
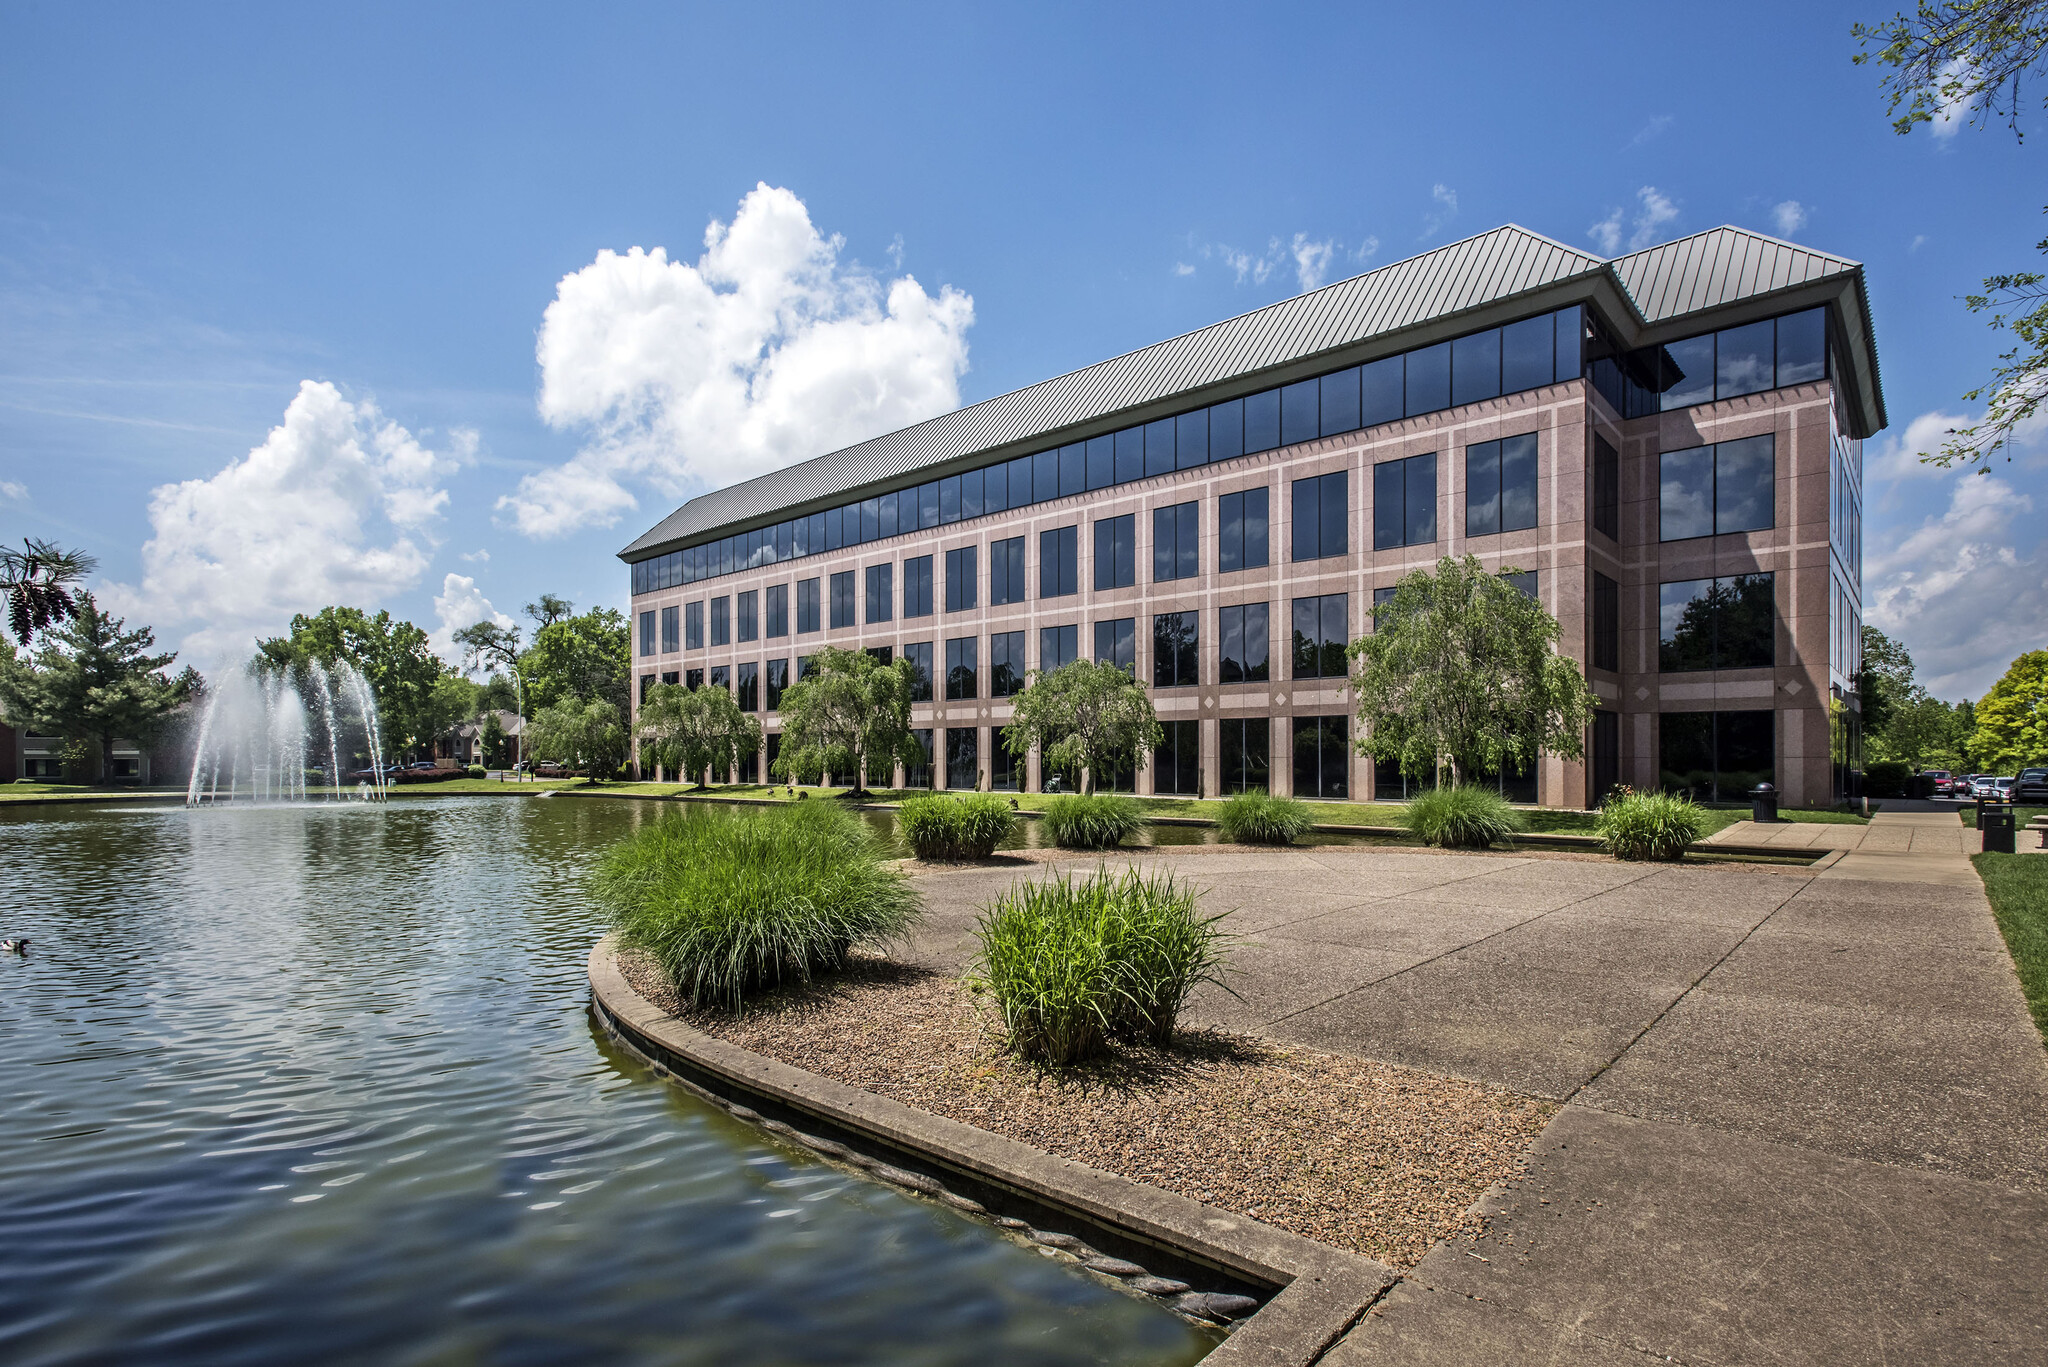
x=1714, y=268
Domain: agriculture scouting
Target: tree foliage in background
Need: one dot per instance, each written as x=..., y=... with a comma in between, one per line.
x=2012, y=719
x=92, y=682
x=38, y=580
x=1885, y=682
x=587, y=734
x=393, y=656
x=587, y=655
x=849, y=712
x=1461, y=672
x=1967, y=59
x=691, y=731
x=1902, y=722
x=1087, y=716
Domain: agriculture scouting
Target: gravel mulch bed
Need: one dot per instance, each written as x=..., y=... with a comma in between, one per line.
x=1360, y=1155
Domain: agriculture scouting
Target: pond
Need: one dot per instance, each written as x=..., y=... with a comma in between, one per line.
x=318, y=1084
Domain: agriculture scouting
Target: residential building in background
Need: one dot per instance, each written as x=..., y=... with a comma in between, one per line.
x=1664, y=448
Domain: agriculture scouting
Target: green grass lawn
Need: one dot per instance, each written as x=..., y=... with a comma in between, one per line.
x=28, y=790
x=2020, y=816
x=2018, y=887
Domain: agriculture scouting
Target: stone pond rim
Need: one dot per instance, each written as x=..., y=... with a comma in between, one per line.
x=1320, y=1291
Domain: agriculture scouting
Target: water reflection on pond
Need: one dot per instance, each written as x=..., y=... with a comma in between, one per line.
x=317, y=1084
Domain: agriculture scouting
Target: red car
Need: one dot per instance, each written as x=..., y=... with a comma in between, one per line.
x=1944, y=783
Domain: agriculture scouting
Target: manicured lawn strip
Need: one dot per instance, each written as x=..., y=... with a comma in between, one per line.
x=2020, y=817
x=44, y=792
x=2017, y=885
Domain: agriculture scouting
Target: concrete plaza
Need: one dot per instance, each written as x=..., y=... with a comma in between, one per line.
x=1805, y=1113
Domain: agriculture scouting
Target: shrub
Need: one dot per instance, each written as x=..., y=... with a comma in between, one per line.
x=939, y=827
x=1071, y=964
x=476, y=771
x=1260, y=819
x=1465, y=817
x=730, y=902
x=1101, y=821
x=1886, y=778
x=1650, y=826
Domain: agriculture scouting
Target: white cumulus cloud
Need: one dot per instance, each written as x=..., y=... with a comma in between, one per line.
x=335, y=506
x=13, y=491
x=1653, y=210
x=1311, y=260
x=459, y=604
x=1789, y=216
x=765, y=351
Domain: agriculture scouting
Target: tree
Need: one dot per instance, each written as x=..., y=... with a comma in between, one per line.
x=548, y=611
x=38, y=581
x=690, y=731
x=1966, y=58
x=1084, y=715
x=452, y=703
x=2012, y=719
x=849, y=711
x=486, y=645
x=496, y=745
x=392, y=655
x=94, y=681
x=586, y=656
x=577, y=732
x=1885, y=682
x=1461, y=671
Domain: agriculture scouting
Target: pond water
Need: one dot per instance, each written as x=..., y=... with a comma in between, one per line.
x=318, y=1084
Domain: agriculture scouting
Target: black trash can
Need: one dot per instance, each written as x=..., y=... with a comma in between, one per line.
x=1995, y=824
x=1763, y=804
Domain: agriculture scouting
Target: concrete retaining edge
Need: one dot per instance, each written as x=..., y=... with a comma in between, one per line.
x=1322, y=1293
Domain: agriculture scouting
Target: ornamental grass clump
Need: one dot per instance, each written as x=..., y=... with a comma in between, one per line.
x=1649, y=825
x=953, y=828
x=1099, y=821
x=1466, y=817
x=1261, y=819
x=1071, y=965
x=729, y=903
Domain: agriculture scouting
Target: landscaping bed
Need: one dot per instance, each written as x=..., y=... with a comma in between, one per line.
x=1360, y=1155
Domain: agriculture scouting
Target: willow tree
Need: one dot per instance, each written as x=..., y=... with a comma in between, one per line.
x=848, y=711
x=1085, y=716
x=690, y=731
x=1461, y=672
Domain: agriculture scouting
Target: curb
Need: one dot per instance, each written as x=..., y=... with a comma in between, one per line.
x=1321, y=1291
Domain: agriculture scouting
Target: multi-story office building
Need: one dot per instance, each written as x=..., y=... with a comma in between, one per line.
x=1665, y=448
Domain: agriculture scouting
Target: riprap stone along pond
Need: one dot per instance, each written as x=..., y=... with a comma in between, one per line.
x=317, y=1083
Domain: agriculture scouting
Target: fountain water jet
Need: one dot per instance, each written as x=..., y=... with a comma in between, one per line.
x=257, y=733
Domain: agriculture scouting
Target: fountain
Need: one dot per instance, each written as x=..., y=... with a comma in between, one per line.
x=262, y=726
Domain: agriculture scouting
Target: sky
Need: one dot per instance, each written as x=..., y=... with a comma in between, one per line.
x=435, y=308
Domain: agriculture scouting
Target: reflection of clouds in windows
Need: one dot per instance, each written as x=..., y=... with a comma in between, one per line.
x=1685, y=494
x=1745, y=485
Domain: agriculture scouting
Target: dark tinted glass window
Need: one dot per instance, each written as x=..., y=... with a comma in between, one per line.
x=1102, y=457
x=1226, y=430
x=842, y=599
x=1073, y=469
x=1526, y=351
x=1174, y=636
x=721, y=621
x=1244, y=654
x=962, y=671
x=1482, y=488
x=1716, y=755
x=919, y=654
x=928, y=506
x=1745, y=484
x=1404, y=502
x=1177, y=760
x=1428, y=379
x=1339, y=398
x=1380, y=392
x=1743, y=360
x=1320, y=626
x=1606, y=489
x=963, y=757
x=1158, y=447
x=1606, y=622
x=806, y=605
x=1129, y=461
x=1518, y=482
x=1020, y=482
x=1322, y=757
x=881, y=593
x=1116, y=552
x=647, y=632
x=777, y=610
x=1190, y=439
x=996, y=485
x=693, y=679
x=962, y=574
x=889, y=523
x=1006, y=570
x=1058, y=646
x=972, y=484
x=1176, y=548
x=1006, y=665
x=1420, y=513
x=1688, y=376
x=750, y=687
x=1320, y=516
x=778, y=682
x=1262, y=421
x=870, y=520
x=1522, y=581
x=949, y=499
x=1241, y=530
x=1116, y=643
x=1298, y=412
x=1802, y=347
x=1247, y=754
x=1685, y=493
x=1475, y=367
x=1045, y=476
x=750, y=615
x=1728, y=623
x=917, y=586
x=920, y=775
x=1058, y=552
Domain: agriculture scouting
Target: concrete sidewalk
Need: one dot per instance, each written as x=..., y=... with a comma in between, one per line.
x=1805, y=1119
x=1898, y=846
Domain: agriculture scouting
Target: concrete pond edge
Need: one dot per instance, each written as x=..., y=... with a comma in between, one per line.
x=1310, y=1294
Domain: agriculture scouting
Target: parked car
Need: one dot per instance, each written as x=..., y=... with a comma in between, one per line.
x=1943, y=783
x=426, y=766
x=2030, y=785
x=1985, y=785
x=2001, y=788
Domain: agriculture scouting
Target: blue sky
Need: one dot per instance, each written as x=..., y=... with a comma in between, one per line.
x=332, y=239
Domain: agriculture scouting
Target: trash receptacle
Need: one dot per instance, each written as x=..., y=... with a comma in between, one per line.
x=1995, y=825
x=1763, y=804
